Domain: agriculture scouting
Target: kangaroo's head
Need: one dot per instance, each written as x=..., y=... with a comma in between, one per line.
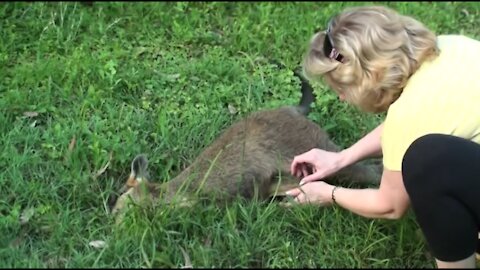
x=138, y=175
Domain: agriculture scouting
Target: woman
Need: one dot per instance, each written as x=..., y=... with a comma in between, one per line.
x=379, y=60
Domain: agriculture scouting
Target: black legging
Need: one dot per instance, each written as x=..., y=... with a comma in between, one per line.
x=441, y=174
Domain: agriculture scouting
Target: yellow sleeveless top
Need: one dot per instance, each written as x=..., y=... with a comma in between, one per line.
x=443, y=96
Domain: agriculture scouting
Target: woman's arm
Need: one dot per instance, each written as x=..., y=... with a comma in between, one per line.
x=368, y=146
x=389, y=201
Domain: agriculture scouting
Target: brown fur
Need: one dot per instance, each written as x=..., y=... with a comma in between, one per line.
x=250, y=159
x=247, y=159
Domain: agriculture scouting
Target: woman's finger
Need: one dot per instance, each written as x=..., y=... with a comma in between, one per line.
x=312, y=177
x=293, y=192
x=298, y=160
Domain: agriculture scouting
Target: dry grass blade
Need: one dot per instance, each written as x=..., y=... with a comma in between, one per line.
x=104, y=168
x=30, y=114
x=73, y=141
x=188, y=263
x=26, y=215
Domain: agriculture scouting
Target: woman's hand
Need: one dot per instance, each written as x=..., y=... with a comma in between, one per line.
x=317, y=192
x=316, y=164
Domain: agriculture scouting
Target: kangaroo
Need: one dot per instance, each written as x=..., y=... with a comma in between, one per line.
x=250, y=159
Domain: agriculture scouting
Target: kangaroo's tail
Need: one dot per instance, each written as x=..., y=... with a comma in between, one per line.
x=308, y=96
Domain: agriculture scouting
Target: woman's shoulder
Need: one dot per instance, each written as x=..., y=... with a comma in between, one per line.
x=456, y=38
x=456, y=43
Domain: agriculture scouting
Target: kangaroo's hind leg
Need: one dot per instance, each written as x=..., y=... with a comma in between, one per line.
x=364, y=172
x=281, y=182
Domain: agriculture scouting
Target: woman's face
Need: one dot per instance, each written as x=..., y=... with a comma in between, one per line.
x=341, y=94
x=340, y=91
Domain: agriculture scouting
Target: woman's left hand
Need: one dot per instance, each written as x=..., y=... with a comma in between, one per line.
x=317, y=192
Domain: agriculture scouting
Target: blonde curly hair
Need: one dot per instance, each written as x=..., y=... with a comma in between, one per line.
x=369, y=55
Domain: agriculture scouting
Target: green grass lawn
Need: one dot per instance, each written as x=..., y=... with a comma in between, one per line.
x=84, y=89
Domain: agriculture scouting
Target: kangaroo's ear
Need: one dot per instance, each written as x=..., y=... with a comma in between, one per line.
x=139, y=165
x=138, y=171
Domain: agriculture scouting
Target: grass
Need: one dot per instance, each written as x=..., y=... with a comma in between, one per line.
x=86, y=88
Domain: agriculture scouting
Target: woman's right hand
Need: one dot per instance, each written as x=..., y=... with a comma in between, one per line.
x=320, y=162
